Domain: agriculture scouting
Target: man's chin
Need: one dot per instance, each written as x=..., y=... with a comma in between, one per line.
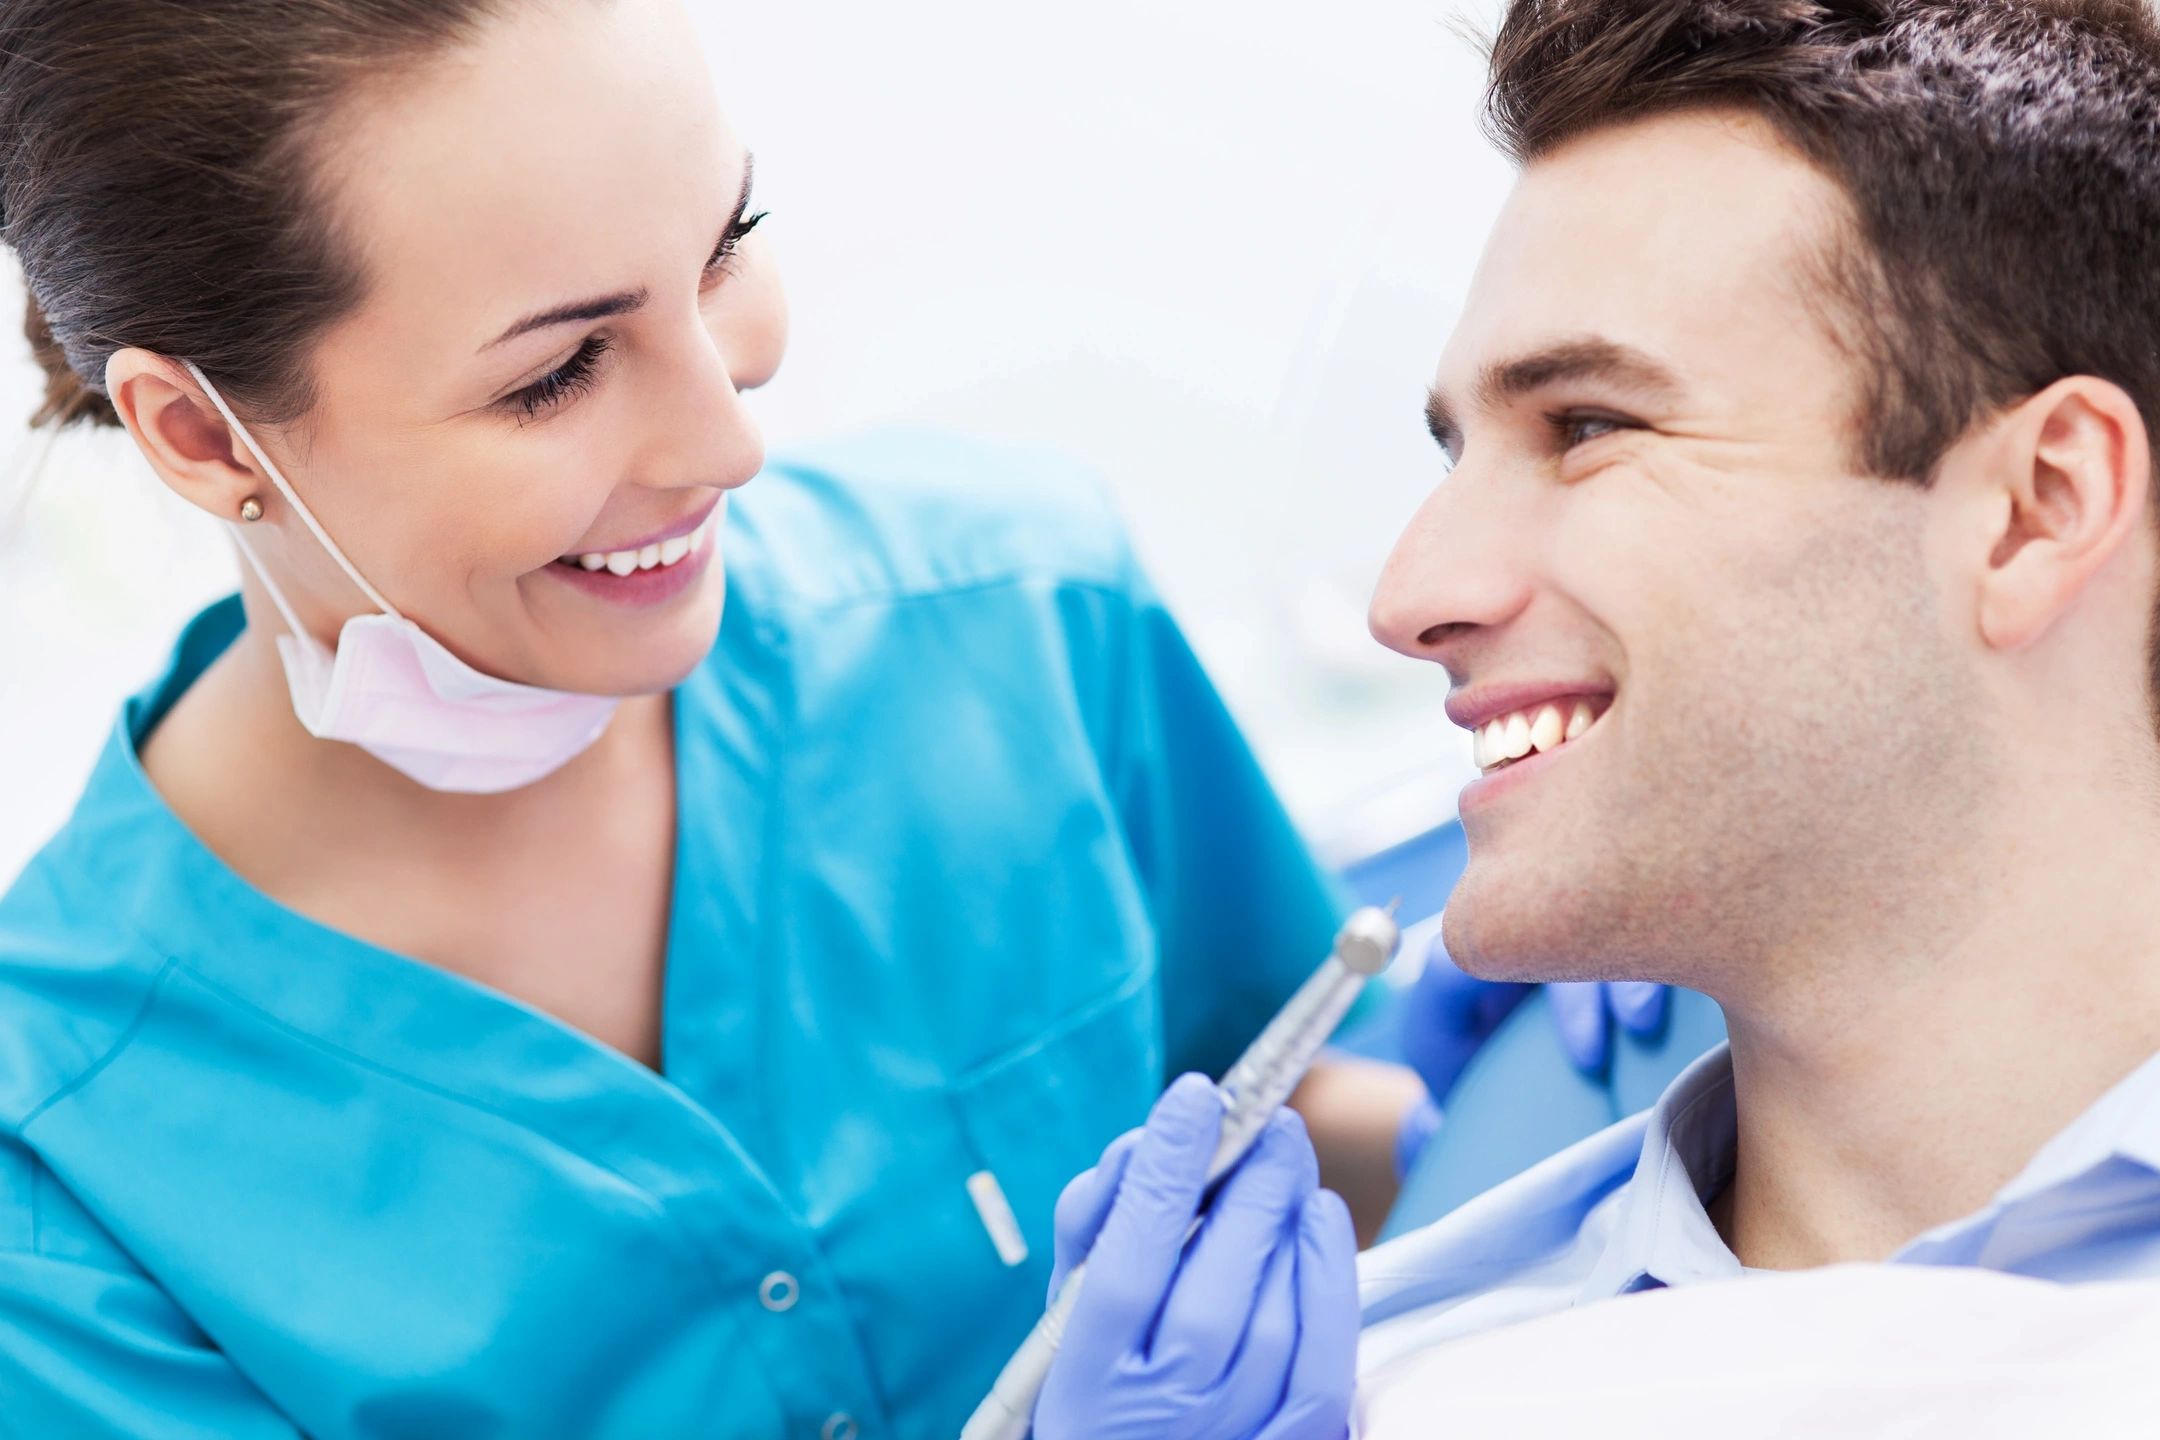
x=1496, y=935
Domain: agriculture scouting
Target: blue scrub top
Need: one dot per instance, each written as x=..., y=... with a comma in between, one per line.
x=970, y=858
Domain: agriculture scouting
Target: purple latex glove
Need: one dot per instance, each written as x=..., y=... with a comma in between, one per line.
x=1580, y=1009
x=1247, y=1333
x=1448, y=1015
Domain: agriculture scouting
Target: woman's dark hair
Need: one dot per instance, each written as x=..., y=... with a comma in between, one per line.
x=158, y=163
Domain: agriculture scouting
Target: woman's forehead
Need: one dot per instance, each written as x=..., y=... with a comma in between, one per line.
x=569, y=149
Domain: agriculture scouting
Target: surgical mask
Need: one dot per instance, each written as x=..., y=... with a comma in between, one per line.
x=393, y=690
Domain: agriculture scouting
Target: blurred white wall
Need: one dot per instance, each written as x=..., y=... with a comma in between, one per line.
x=1211, y=247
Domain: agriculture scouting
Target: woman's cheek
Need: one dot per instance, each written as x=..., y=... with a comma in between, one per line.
x=544, y=510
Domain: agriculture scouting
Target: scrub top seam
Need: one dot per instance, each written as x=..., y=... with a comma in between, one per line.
x=1117, y=762
x=653, y=1203
x=69, y=1262
x=126, y=1037
x=1110, y=588
x=766, y=941
x=144, y=1277
x=1087, y=1013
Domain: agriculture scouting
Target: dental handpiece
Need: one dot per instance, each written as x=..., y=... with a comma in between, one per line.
x=1253, y=1089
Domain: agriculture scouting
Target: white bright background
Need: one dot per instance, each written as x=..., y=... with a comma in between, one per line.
x=1212, y=248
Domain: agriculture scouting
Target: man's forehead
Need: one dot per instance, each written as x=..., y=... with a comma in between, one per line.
x=1680, y=237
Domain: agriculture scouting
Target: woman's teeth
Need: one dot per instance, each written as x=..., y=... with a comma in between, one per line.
x=1540, y=728
x=651, y=557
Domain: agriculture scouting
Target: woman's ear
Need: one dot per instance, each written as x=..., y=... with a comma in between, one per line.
x=2071, y=472
x=182, y=435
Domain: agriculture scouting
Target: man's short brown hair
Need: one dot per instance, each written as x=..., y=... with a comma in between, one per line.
x=2001, y=157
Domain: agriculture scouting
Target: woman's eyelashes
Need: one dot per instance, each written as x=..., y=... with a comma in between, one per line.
x=725, y=250
x=580, y=372
x=565, y=382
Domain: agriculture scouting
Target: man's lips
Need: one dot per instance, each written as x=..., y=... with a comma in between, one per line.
x=1482, y=704
x=1505, y=765
x=1539, y=730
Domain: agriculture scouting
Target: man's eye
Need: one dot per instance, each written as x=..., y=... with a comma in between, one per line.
x=1577, y=429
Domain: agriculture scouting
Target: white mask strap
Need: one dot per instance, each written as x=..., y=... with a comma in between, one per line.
x=277, y=478
x=277, y=596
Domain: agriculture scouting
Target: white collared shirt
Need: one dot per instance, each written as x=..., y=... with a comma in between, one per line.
x=1625, y=1210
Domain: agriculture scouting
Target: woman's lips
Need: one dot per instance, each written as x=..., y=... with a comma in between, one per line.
x=653, y=584
x=664, y=547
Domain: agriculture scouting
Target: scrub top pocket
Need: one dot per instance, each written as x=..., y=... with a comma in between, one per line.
x=1086, y=1079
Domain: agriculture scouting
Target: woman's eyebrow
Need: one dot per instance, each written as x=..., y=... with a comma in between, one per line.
x=621, y=303
x=618, y=304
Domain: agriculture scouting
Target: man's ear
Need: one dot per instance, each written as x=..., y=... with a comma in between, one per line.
x=2071, y=476
x=182, y=435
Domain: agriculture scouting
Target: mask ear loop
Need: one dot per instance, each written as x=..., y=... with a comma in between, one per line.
x=277, y=596
x=277, y=477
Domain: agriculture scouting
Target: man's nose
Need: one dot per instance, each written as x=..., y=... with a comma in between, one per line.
x=1459, y=567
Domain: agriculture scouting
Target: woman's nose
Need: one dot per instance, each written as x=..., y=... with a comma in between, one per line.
x=702, y=432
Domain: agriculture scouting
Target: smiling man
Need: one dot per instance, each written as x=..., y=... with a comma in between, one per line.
x=1796, y=569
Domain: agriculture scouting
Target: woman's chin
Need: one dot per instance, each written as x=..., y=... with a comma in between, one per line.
x=639, y=652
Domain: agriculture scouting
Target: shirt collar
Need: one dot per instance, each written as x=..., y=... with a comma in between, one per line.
x=2124, y=1123
x=1662, y=1233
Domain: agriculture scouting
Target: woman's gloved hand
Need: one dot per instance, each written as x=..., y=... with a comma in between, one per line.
x=1582, y=1010
x=1449, y=1014
x=1249, y=1333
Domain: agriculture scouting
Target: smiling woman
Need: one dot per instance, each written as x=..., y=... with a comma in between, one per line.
x=599, y=994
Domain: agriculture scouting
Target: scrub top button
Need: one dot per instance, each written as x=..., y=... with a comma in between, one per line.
x=840, y=1427
x=778, y=1293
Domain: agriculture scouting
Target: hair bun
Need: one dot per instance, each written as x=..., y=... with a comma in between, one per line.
x=68, y=400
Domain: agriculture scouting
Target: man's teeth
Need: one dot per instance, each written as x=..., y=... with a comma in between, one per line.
x=1546, y=730
x=651, y=557
x=1540, y=728
x=1515, y=736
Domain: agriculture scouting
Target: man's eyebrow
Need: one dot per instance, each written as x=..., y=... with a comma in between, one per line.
x=621, y=303
x=1589, y=358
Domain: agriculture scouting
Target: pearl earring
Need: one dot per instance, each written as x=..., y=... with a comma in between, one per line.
x=251, y=509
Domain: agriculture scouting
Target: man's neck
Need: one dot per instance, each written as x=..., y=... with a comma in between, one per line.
x=1895, y=1087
